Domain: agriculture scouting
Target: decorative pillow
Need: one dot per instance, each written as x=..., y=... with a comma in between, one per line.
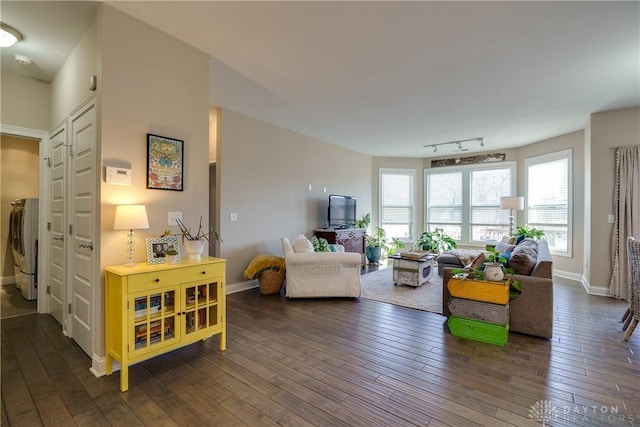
x=506, y=255
x=519, y=239
x=302, y=244
x=524, y=257
x=504, y=247
x=477, y=262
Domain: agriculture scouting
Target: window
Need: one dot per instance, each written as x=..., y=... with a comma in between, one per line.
x=397, y=199
x=465, y=201
x=549, y=198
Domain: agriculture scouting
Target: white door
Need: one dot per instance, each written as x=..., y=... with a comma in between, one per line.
x=82, y=218
x=57, y=220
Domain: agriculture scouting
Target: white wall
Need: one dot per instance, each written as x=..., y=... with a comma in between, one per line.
x=149, y=82
x=70, y=85
x=264, y=173
x=25, y=102
x=153, y=83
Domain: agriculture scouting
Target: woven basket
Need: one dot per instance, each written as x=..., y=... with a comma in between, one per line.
x=271, y=280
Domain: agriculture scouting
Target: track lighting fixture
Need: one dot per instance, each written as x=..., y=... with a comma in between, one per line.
x=457, y=142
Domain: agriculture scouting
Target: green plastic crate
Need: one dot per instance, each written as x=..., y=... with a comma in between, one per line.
x=478, y=330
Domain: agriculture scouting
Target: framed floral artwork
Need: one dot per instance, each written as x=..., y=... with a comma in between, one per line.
x=165, y=158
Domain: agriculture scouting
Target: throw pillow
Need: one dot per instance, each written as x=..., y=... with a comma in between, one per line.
x=302, y=244
x=502, y=247
x=506, y=255
x=524, y=257
x=320, y=245
x=519, y=239
x=477, y=262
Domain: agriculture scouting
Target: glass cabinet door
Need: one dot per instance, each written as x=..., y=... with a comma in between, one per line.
x=154, y=320
x=201, y=307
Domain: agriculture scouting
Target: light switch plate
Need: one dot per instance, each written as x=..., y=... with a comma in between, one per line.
x=172, y=217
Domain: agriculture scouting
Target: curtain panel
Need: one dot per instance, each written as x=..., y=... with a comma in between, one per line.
x=627, y=217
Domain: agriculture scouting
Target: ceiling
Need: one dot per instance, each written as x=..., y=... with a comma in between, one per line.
x=385, y=78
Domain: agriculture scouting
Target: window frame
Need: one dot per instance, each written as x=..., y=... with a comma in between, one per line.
x=412, y=173
x=546, y=158
x=466, y=171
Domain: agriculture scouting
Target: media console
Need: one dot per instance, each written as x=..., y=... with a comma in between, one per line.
x=351, y=238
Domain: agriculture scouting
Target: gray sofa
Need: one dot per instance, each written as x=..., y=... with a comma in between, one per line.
x=531, y=312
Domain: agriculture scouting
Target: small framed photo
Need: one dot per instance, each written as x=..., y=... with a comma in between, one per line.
x=157, y=249
x=165, y=158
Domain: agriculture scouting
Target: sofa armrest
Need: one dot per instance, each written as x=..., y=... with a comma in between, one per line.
x=544, y=262
x=532, y=311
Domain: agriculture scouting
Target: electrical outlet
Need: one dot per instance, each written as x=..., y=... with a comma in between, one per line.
x=611, y=219
x=172, y=218
x=233, y=216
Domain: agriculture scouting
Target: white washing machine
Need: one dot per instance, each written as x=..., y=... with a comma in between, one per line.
x=23, y=225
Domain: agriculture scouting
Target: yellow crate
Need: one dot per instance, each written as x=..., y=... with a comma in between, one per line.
x=480, y=290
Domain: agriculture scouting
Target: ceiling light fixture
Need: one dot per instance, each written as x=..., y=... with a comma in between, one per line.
x=458, y=143
x=9, y=35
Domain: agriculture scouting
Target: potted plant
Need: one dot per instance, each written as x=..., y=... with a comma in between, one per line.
x=374, y=244
x=194, y=241
x=435, y=241
x=529, y=231
x=173, y=256
x=493, y=268
x=364, y=221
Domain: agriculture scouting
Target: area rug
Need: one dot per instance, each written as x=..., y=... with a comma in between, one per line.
x=379, y=286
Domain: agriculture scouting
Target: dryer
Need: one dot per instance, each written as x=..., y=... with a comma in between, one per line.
x=23, y=224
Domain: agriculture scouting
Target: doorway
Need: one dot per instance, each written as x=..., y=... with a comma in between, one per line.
x=19, y=178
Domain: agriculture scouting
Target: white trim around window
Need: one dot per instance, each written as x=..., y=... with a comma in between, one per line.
x=549, y=198
x=470, y=217
x=396, y=202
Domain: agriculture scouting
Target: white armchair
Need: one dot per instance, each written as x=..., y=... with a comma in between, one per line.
x=321, y=274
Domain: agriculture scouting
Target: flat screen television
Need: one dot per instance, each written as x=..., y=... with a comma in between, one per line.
x=342, y=211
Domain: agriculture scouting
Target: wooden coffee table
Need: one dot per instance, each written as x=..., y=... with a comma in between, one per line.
x=412, y=271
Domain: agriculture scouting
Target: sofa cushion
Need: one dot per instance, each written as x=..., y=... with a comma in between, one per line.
x=524, y=257
x=302, y=244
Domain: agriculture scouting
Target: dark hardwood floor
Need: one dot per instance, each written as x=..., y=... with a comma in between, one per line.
x=337, y=362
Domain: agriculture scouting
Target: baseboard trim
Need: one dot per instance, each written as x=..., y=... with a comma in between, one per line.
x=574, y=279
x=7, y=280
x=241, y=286
x=98, y=365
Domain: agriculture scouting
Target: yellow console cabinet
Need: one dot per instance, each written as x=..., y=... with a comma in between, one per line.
x=154, y=309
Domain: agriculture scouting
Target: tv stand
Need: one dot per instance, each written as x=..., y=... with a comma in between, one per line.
x=351, y=238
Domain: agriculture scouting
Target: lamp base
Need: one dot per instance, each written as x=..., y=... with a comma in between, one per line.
x=130, y=264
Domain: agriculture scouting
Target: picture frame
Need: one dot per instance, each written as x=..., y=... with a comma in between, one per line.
x=157, y=248
x=165, y=159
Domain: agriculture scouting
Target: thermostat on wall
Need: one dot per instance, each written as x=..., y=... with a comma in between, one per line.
x=118, y=176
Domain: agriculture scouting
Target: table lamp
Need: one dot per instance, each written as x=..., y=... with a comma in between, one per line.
x=130, y=217
x=512, y=203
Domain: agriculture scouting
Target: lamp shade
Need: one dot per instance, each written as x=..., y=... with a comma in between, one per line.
x=512, y=202
x=131, y=217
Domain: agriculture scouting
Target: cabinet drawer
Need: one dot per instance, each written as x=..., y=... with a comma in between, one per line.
x=200, y=272
x=140, y=282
